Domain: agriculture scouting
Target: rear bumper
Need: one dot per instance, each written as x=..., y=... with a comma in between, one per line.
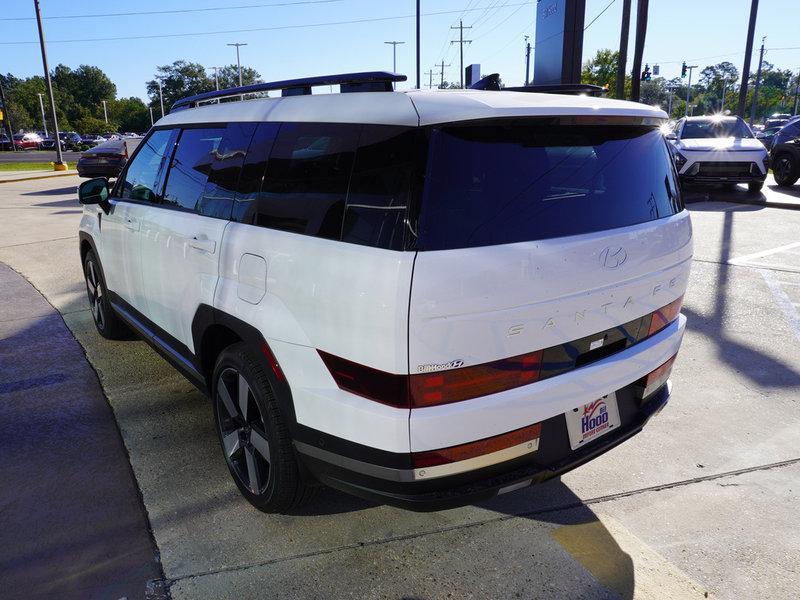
x=90, y=169
x=553, y=457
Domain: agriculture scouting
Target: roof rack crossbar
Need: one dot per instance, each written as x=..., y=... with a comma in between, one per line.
x=349, y=82
x=492, y=82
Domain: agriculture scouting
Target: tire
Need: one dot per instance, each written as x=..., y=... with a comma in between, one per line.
x=755, y=186
x=253, y=435
x=106, y=321
x=785, y=170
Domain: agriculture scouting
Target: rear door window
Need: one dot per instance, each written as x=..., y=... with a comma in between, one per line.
x=226, y=166
x=190, y=167
x=305, y=184
x=513, y=181
x=383, y=182
x=143, y=174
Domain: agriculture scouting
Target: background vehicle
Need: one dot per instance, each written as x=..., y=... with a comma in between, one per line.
x=786, y=161
x=106, y=159
x=5, y=143
x=766, y=135
x=787, y=133
x=27, y=141
x=718, y=150
x=419, y=297
x=92, y=139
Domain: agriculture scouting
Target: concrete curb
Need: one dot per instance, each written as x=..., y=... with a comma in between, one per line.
x=38, y=177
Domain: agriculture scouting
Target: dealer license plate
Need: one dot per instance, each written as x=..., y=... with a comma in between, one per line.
x=591, y=421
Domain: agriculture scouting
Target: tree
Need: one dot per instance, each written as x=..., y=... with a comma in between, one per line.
x=228, y=76
x=178, y=80
x=89, y=124
x=131, y=113
x=602, y=70
x=719, y=81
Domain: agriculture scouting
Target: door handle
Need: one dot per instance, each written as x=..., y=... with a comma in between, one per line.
x=203, y=244
x=132, y=224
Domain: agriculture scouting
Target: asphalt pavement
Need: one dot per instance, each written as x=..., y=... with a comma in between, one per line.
x=34, y=156
x=703, y=502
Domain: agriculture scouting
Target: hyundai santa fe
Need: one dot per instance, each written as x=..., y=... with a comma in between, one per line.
x=426, y=298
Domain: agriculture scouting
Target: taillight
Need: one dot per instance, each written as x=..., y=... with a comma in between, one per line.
x=655, y=379
x=454, y=385
x=383, y=387
x=665, y=315
x=527, y=435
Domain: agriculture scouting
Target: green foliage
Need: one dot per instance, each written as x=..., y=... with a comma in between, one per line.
x=229, y=76
x=178, y=80
x=131, y=113
x=602, y=70
x=89, y=124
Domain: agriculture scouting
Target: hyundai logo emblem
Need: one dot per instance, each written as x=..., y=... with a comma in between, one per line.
x=613, y=256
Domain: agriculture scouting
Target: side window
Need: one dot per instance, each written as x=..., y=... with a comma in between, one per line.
x=142, y=176
x=382, y=185
x=226, y=165
x=190, y=166
x=305, y=184
x=253, y=168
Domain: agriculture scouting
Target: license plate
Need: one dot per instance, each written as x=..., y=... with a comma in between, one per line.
x=591, y=421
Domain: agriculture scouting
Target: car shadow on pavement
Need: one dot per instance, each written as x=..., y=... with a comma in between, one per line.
x=789, y=191
x=717, y=193
x=70, y=189
x=59, y=203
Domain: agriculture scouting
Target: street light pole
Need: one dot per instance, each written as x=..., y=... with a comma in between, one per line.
x=527, y=60
x=152, y=122
x=238, y=62
x=689, y=87
x=419, y=47
x=59, y=164
x=748, y=50
x=105, y=110
x=216, y=77
x=758, y=81
x=394, y=54
x=41, y=105
x=161, y=96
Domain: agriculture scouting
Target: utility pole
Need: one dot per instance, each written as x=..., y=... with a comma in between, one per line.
x=238, y=62
x=152, y=122
x=689, y=86
x=430, y=78
x=216, y=77
x=758, y=82
x=394, y=54
x=161, y=96
x=59, y=164
x=419, y=46
x=796, y=91
x=748, y=50
x=6, y=119
x=623, y=48
x=41, y=106
x=105, y=110
x=670, y=89
x=527, y=60
x=638, y=48
x=441, y=73
x=461, y=41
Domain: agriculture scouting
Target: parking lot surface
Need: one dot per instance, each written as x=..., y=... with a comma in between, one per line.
x=702, y=502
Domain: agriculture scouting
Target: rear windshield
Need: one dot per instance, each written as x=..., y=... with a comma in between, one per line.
x=715, y=129
x=514, y=181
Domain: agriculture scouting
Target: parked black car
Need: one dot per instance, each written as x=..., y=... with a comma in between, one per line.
x=106, y=159
x=785, y=159
x=5, y=143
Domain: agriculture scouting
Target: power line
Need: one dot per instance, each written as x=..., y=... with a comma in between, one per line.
x=600, y=14
x=174, y=11
x=253, y=30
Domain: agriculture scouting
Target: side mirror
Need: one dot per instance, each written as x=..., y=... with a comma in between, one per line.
x=93, y=191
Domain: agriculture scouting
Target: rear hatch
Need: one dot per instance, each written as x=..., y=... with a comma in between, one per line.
x=543, y=234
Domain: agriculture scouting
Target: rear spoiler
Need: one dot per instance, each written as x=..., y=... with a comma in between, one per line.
x=492, y=82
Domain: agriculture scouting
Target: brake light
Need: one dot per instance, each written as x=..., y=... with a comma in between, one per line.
x=665, y=315
x=453, y=454
x=443, y=387
x=380, y=386
x=655, y=379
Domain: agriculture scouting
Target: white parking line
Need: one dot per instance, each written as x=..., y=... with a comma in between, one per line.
x=786, y=305
x=747, y=258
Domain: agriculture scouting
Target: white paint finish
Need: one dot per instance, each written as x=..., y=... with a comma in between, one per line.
x=252, y=273
x=179, y=273
x=119, y=245
x=783, y=300
x=484, y=304
x=346, y=299
x=321, y=405
x=461, y=422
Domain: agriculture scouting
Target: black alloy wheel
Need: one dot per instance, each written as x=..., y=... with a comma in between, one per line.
x=785, y=171
x=106, y=321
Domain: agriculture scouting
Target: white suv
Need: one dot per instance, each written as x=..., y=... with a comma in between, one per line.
x=426, y=298
x=719, y=149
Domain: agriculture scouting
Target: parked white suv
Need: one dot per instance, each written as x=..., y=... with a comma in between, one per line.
x=424, y=297
x=719, y=149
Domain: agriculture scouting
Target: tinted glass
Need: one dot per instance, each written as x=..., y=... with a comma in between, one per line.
x=190, y=166
x=306, y=180
x=226, y=165
x=714, y=128
x=382, y=184
x=142, y=176
x=255, y=164
x=513, y=182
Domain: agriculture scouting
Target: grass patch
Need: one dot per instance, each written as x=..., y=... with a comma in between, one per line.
x=26, y=166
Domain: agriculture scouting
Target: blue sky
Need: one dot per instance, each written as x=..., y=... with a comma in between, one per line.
x=706, y=31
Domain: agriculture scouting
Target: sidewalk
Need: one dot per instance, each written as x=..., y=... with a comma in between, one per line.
x=73, y=521
x=12, y=176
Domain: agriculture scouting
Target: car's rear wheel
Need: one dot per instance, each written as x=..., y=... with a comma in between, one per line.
x=755, y=186
x=107, y=322
x=785, y=170
x=253, y=434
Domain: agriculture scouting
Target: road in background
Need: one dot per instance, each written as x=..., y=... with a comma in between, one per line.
x=704, y=500
x=33, y=156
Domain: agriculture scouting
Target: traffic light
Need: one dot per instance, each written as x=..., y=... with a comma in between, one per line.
x=646, y=73
x=683, y=70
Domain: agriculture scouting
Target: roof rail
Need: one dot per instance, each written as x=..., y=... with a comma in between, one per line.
x=492, y=82
x=369, y=81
